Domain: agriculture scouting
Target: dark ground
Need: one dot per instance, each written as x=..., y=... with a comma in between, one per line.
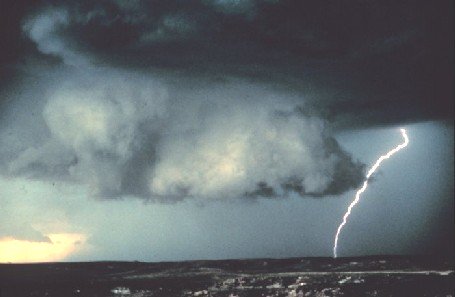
x=360, y=276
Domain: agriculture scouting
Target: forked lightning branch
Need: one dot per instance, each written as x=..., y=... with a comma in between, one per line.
x=365, y=185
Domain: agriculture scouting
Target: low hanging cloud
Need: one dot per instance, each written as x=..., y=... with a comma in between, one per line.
x=97, y=122
x=126, y=132
x=124, y=136
x=253, y=151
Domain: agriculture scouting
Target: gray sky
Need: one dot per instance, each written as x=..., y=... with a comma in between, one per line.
x=171, y=130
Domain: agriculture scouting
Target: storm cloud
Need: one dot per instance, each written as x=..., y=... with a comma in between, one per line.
x=362, y=63
x=174, y=99
x=126, y=132
x=191, y=101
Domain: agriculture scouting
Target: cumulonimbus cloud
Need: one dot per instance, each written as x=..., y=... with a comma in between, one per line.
x=125, y=132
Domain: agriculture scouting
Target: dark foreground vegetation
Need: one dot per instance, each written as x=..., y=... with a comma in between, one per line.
x=361, y=276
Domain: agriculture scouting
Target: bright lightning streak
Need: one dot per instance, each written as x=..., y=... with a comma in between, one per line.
x=365, y=185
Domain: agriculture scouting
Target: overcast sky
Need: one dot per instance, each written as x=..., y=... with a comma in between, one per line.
x=202, y=129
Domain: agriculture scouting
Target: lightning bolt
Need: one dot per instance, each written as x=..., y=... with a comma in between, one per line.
x=365, y=185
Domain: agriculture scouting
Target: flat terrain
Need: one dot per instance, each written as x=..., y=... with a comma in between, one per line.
x=362, y=276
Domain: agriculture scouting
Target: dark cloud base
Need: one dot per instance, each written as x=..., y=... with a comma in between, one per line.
x=389, y=60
